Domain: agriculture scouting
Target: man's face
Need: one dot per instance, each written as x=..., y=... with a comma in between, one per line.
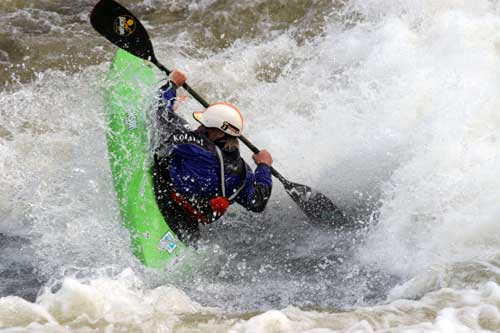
x=216, y=135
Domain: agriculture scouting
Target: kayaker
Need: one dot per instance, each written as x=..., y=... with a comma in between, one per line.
x=189, y=184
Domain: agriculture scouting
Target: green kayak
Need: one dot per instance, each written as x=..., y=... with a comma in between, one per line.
x=128, y=97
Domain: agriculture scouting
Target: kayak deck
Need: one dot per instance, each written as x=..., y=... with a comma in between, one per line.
x=132, y=87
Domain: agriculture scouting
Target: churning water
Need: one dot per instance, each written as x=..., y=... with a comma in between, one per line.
x=388, y=107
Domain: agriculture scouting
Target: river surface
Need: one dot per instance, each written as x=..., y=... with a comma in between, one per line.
x=390, y=108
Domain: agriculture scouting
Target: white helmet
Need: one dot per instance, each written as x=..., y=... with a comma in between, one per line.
x=223, y=116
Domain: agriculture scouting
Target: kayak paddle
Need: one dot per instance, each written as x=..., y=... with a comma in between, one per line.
x=123, y=29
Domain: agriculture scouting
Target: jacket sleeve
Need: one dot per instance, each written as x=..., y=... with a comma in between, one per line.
x=167, y=120
x=257, y=190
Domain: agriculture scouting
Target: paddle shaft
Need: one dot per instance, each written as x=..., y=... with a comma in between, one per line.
x=205, y=104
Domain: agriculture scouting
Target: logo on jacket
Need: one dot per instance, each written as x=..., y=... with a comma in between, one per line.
x=124, y=25
x=186, y=138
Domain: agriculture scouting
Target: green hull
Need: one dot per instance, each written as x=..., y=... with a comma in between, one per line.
x=132, y=86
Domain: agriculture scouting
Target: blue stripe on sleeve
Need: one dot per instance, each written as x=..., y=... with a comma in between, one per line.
x=168, y=94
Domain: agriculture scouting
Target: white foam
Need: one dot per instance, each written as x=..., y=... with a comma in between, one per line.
x=107, y=305
x=439, y=205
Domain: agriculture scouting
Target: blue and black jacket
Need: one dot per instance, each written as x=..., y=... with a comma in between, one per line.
x=187, y=163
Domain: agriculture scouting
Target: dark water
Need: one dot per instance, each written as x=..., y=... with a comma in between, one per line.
x=18, y=275
x=282, y=260
x=55, y=34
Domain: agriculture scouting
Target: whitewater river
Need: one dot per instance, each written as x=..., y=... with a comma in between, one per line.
x=391, y=108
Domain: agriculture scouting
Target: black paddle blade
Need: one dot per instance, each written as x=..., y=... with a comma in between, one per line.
x=316, y=206
x=122, y=28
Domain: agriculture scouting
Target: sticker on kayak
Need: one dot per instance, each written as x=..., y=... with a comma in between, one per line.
x=167, y=242
x=131, y=121
x=124, y=25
